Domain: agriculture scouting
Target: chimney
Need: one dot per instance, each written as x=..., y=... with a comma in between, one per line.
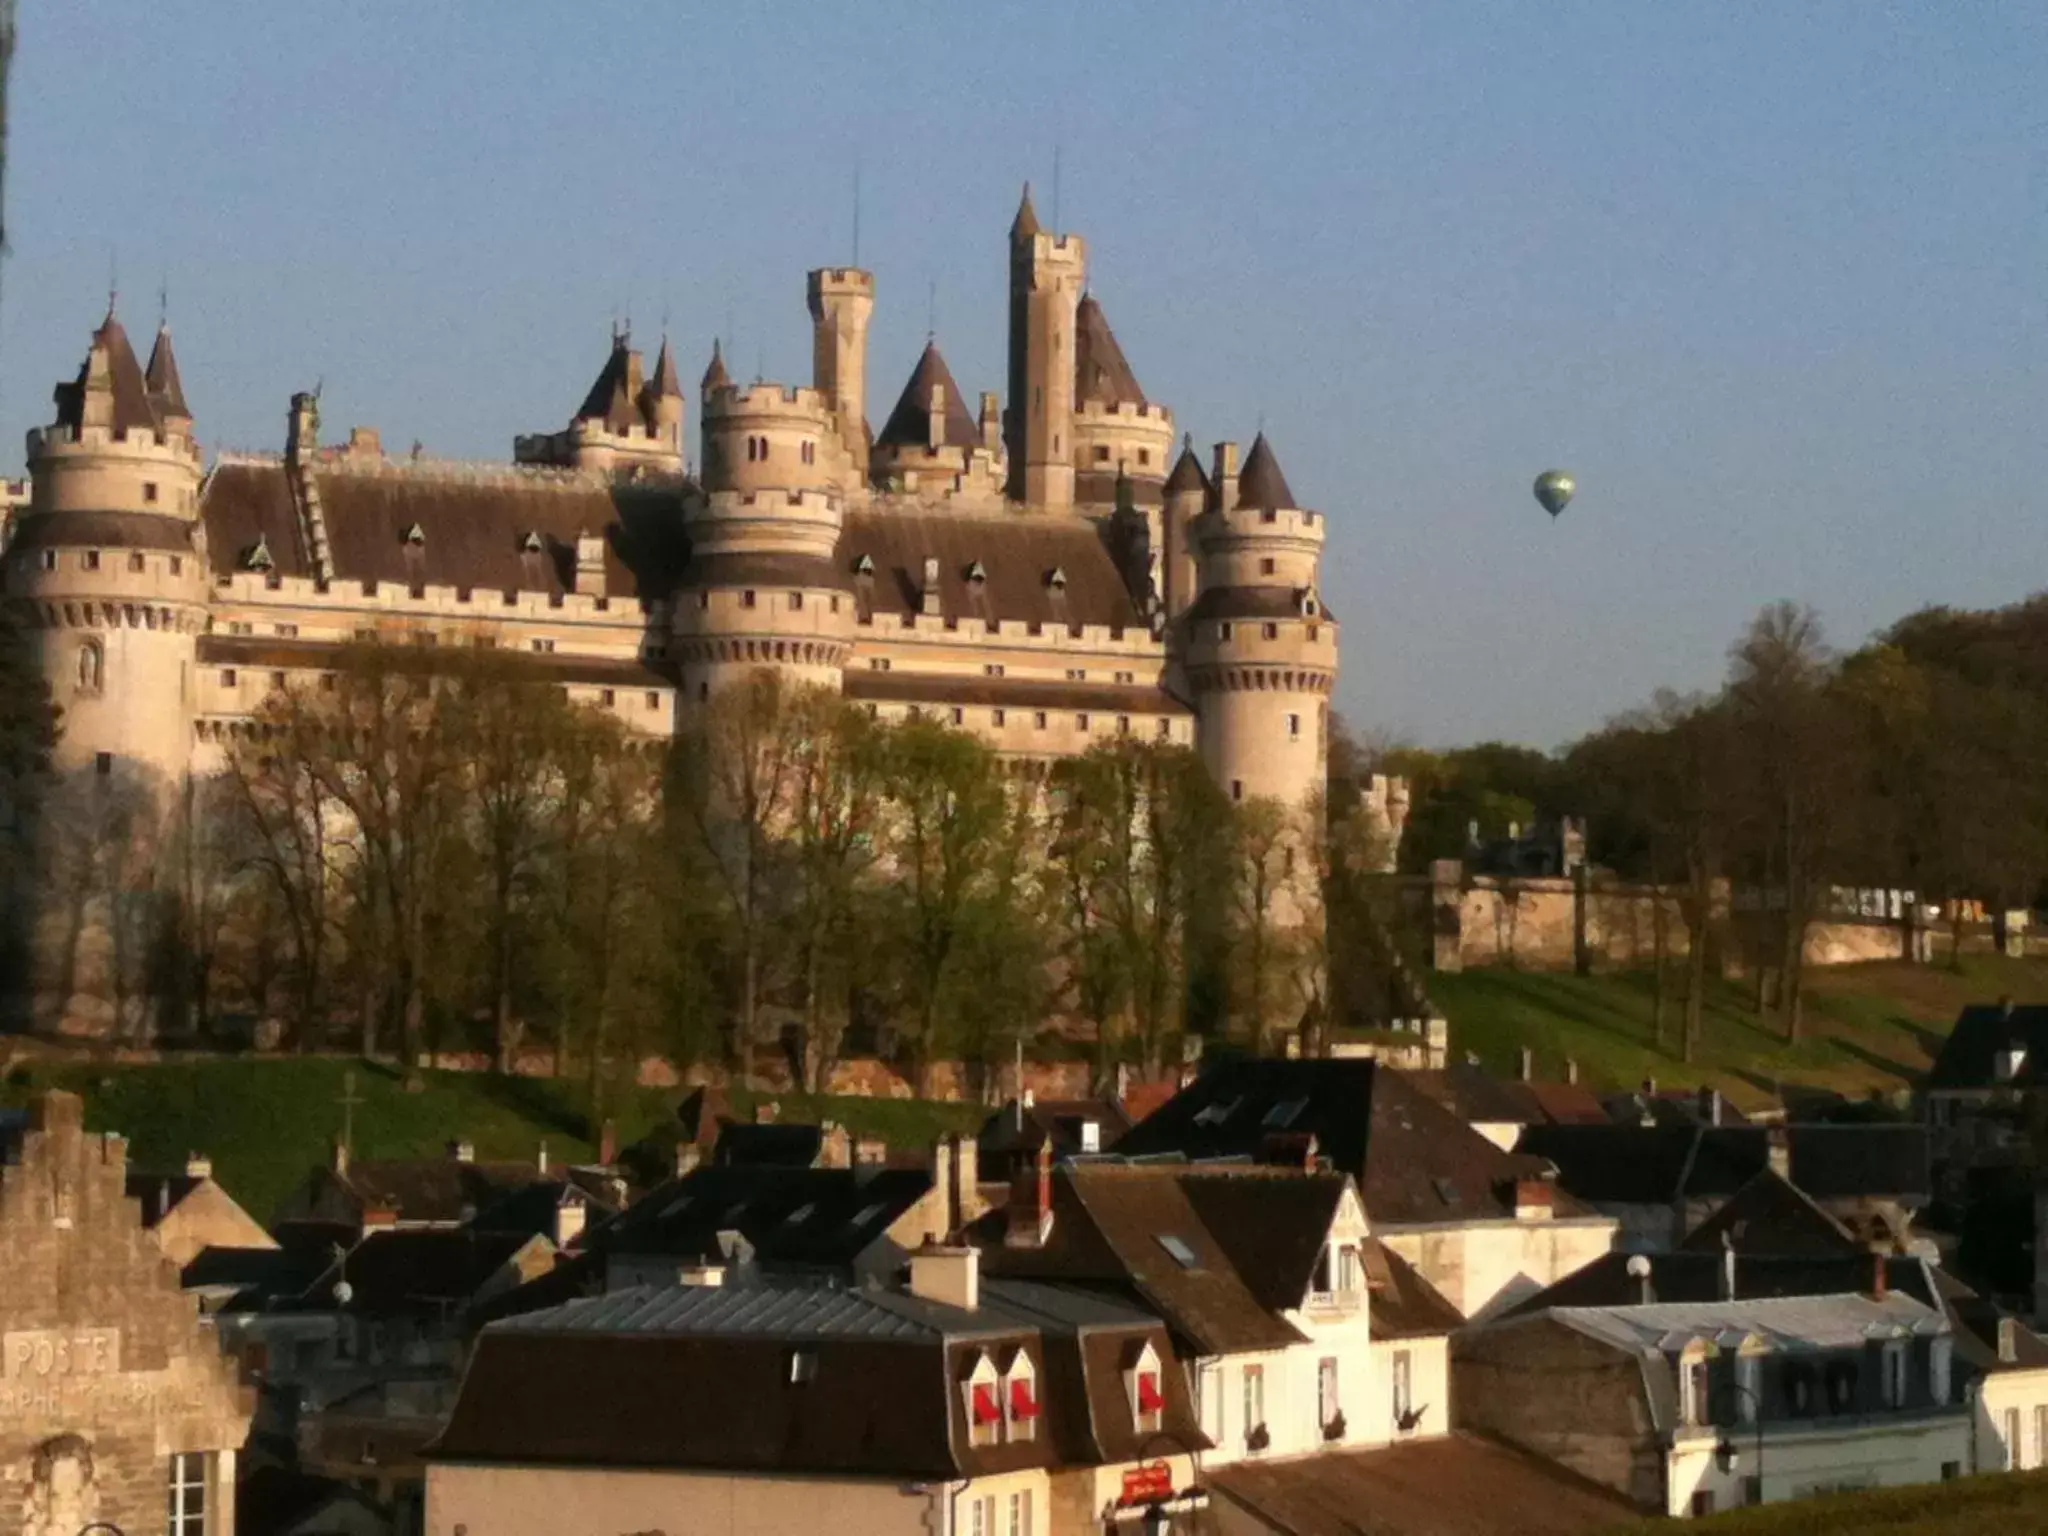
x=870, y=1152
x=339, y=1159
x=570, y=1218
x=1289, y=1149
x=1571, y=1071
x=301, y=451
x=929, y=596
x=1649, y=1087
x=589, y=564
x=991, y=422
x=1031, y=1203
x=963, y=1170
x=1880, y=1278
x=948, y=1275
x=835, y=1146
x=1639, y=1271
x=943, y=1189
x=2008, y=1340
x=935, y=419
x=463, y=1151
x=540, y=1158
x=1532, y=1200
x=1778, y=1151
x=1123, y=1081
x=1223, y=479
x=1727, y=1267
x=608, y=1143
x=767, y=1112
x=1709, y=1105
x=1528, y=1064
x=198, y=1166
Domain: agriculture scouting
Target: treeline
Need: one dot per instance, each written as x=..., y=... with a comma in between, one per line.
x=1918, y=762
x=442, y=851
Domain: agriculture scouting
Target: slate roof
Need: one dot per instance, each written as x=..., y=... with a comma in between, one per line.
x=1656, y=1164
x=1691, y=1279
x=715, y=376
x=1260, y=482
x=1403, y=1304
x=1969, y=1056
x=159, y=1193
x=1807, y=1320
x=1414, y=1161
x=1188, y=474
x=741, y=1145
x=1769, y=1216
x=1101, y=373
x=909, y=424
x=1475, y=1095
x=1272, y=1225
x=1012, y=1135
x=804, y=1218
x=133, y=409
x=106, y=530
x=1978, y=1322
x=166, y=389
x=1018, y=555
x=433, y=1270
x=271, y=1500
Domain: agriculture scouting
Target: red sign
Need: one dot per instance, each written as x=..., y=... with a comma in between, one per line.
x=1148, y=1483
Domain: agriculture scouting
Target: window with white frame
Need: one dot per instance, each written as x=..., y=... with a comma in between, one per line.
x=2011, y=1423
x=984, y=1403
x=1347, y=1269
x=2040, y=1435
x=1147, y=1388
x=1404, y=1390
x=1209, y=1401
x=1749, y=1382
x=1328, y=1408
x=1694, y=1380
x=1020, y=1513
x=1020, y=1399
x=1894, y=1380
x=1254, y=1405
x=187, y=1503
x=981, y=1516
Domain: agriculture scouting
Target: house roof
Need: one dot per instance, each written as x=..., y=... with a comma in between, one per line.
x=160, y=1193
x=614, y=396
x=451, y=1191
x=1101, y=373
x=1260, y=482
x=273, y=1500
x=1475, y=1095
x=1414, y=1161
x=1018, y=556
x=909, y=424
x=715, y=376
x=798, y=1217
x=1452, y=1485
x=1825, y=1321
x=1188, y=474
x=773, y=1146
x=1969, y=1057
x=1770, y=1216
x=1024, y=1128
x=1272, y=1223
x=134, y=410
x=1694, y=1278
x=397, y=1270
x=1653, y=1164
x=1978, y=1324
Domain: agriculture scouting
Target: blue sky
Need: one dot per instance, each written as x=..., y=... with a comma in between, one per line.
x=1768, y=277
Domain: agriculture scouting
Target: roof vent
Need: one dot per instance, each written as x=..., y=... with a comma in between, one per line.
x=257, y=557
x=977, y=573
x=531, y=544
x=415, y=534
x=1057, y=578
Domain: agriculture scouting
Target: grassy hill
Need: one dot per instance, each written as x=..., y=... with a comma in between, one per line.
x=266, y=1122
x=1869, y=1028
x=1973, y=1506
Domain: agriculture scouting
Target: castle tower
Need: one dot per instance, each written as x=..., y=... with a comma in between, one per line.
x=1047, y=275
x=1186, y=494
x=1117, y=431
x=629, y=425
x=931, y=447
x=1260, y=650
x=841, y=300
x=107, y=567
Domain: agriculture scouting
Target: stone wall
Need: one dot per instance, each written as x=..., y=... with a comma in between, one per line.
x=106, y=1370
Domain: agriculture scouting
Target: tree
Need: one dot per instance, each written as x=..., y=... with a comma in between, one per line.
x=28, y=737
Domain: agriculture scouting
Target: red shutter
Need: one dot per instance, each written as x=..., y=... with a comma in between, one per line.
x=1149, y=1398
x=1022, y=1404
x=986, y=1409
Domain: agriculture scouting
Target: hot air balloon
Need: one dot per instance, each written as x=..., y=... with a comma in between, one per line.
x=1554, y=490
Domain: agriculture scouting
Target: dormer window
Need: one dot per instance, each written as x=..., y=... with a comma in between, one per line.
x=257, y=557
x=977, y=573
x=984, y=1394
x=864, y=566
x=416, y=535
x=1147, y=1390
x=1057, y=579
x=531, y=544
x=1020, y=1399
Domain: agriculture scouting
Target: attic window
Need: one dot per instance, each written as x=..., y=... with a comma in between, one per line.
x=977, y=573
x=1446, y=1191
x=802, y=1213
x=868, y=1213
x=1057, y=580
x=415, y=534
x=1284, y=1114
x=1178, y=1250
x=1217, y=1113
x=257, y=557
x=803, y=1367
x=864, y=566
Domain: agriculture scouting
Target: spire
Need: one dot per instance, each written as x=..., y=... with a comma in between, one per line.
x=715, y=376
x=1187, y=473
x=909, y=425
x=611, y=399
x=1101, y=375
x=1261, y=485
x=665, y=381
x=1026, y=224
x=166, y=391
x=109, y=370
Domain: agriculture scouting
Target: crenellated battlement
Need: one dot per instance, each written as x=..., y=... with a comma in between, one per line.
x=1149, y=415
x=59, y=440
x=842, y=280
x=267, y=590
x=767, y=399
x=767, y=503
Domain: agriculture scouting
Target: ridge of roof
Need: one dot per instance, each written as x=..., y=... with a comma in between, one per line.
x=664, y=380
x=1261, y=486
x=134, y=410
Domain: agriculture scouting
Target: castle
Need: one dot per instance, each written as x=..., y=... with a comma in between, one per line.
x=1051, y=571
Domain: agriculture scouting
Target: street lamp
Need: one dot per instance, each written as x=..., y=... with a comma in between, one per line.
x=1725, y=1454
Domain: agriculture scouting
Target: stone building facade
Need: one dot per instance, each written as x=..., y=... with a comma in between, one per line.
x=116, y=1404
x=1041, y=571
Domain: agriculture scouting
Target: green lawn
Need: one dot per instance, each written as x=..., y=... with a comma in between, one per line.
x=1869, y=1028
x=266, y=1122
x=1998, y=1502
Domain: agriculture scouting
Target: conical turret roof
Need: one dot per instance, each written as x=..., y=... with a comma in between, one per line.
x=715, y=376
x=166, y=390
x=110, y=365
x=1026, y=224
x=1101, y=374
x=1260, y=484
x=665, y=381
x=909, y=425
x=613, y=399
x=1187, y=470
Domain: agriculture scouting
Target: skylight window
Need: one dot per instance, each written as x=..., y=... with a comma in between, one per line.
x=1179, y=1251
x=1284, y=1114
x=1446, y=1191
x=1216, y=1113
x=802, y=1213
x=868, y=1213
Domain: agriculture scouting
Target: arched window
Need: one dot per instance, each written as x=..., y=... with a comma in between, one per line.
x=92, y=665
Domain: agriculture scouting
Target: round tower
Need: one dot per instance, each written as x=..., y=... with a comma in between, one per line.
x=770, y=437
x=1186, y=494
x=1047, y=275
x=1119, y=435
x=842, y=299
x=1260, y=651
x=108, y=564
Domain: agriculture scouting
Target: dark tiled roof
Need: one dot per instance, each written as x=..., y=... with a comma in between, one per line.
x=398, y=1270
x=1260, y=483
x=1414, y=1160
x=1563, y=1104
x=1978, y=1323
x=475, y=527
x=715, y=376
x=273, y=1500
x=1456, y=1485
x=1018, y=554
x=1474, y=1094
x=102, y=530
x=159, y=1193
x=1969, y=1056
x=1101, y=374
x=166, y=389
x=909, y=425
x=1673, y=1106
x=1015, y=1132
x=1653, y=1164
x=254, y=1272
x=614, y=397
x=1025, y=224
x=664, y=381
x=1021, y=693
x=1840, y=1162
x=1404, y=1305
x=1252, y=603
x=1272, y=1224
x=1697, y=1277
x=1769, y=1216
x=556, y=667
x=768, y=1146
x=1188, y=474
x=806, y=1218
x=133, y=409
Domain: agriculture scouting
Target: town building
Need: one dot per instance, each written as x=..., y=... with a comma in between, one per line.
x=1010, y=1138
x=117, y=1406
x=1046, y=571
x=954, y=1403
x=1981, y=1089
x=1482, y=1226
x=190, y=1213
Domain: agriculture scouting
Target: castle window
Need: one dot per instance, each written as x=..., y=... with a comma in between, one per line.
x=1294, y=727
x=1313, y=631
x=1144, y=457
x=796, y=601
x=365, y=636
x=481, y=642
x=747, y=599
x=1165, y=729
x=277, y=681
x=327, y=682
x=1077, y=674
x=703, y=599
x=288, y=631
x=992, y=669
x=878, y=663
x=103, y=764
x=1081, y=724
x=653, y=699
x=1101, y=455
x=1266, y=566
x=542, y=644
x=91, y=666
x=177, y=565
x=1237, y=789
x=240, y=627
x=1038, y=721
x=149, y=491
x=1270, y=631
x=90, y=559
x=997, y=717
x=1123, y=725
x=49, y=559
x=608, y=698
x=1269, y=516
x=1222, y=631
x=704, y=692
x=135, y=561
x=959, y=715
x=810, y=452
x=1124, y=677
x=227, y=677
x=835, y=605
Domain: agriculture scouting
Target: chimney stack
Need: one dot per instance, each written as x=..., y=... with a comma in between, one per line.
x=1571, y=1071
x=339, y=1159
x=540, y=1159
x=1223, y=479
x=198, y=1166
x=608, y=1143
x=2008, y=1340
x=1727, y=1267
x=835, y=1146
x=463, y=1151
x=1639, y=1269
x=1031, y=1203
x=589, y=564
x=688, y=1155
x=1710, y=1105
x=948, y=1275
x=1880, y=1278
x=1528, y=1064
x=929, y=595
